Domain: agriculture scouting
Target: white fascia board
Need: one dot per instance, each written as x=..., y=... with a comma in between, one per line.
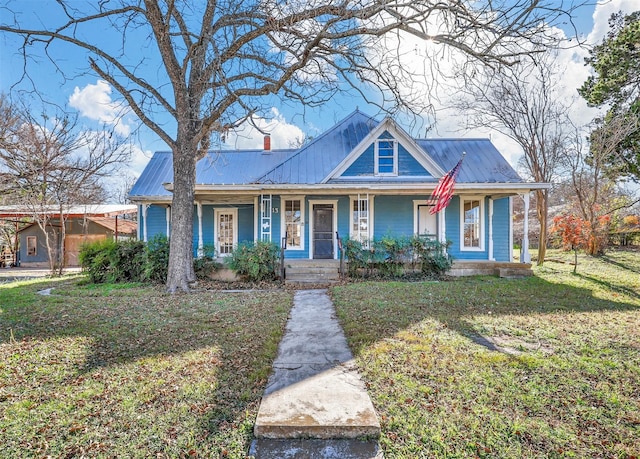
x=151, y=199
x=336, y=188
x=399, y=134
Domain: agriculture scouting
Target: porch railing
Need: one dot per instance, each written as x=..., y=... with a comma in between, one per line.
x=341, y=253
x=283, y=247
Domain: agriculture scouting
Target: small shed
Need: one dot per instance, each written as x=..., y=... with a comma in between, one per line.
x=83, y=223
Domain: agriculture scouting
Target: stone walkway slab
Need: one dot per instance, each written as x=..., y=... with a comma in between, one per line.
x=315, y=391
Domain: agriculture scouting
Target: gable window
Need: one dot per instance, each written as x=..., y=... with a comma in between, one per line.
x=386, y=157
x=472, y=223
x=293, y=211
x=32, y=244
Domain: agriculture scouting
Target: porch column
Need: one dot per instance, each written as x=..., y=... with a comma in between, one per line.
x=144, y=221
x=442, y=229
x=491, y=257
x=167, y=214
x=200, y=243
x=256, y=218
x=524, y=251
x=510, y=228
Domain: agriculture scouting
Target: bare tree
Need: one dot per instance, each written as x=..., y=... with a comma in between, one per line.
x=50, y=164
x=219, y=59
x=595, y=194
x=520, y=102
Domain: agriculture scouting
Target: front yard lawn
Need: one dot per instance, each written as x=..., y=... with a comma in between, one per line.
x=484, y=367
x=477, y=367
x=129, y=371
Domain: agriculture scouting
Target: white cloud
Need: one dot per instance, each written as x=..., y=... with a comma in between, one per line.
x=427, y=71
x=283, y=134
x=94, y=102
x=603, y=12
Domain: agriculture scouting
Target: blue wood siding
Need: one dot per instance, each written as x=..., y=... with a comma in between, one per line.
x=393, y=215
x=407, y=164
x=296, y=253
x=276, y=221
x=501, y=223
x=246, y=223
x=453, y=223
x=344, y=213
x=156, y=221
x=452, y=227
x=363, y=165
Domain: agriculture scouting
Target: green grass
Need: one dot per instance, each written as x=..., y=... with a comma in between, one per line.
x=547, y=366
x=129, y=371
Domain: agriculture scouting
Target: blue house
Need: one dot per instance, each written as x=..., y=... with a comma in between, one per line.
x=362, y=179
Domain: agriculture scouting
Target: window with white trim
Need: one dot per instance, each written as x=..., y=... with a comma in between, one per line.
x=472, y=223
x=293, y=222
x=360, y=219
x=386, y=157
x=32, y=246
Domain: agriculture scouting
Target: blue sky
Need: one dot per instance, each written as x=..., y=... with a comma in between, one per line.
x=97, y=102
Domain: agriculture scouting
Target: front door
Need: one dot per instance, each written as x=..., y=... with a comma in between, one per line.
x=226, y=231
x=427, y=223
x=323, y=231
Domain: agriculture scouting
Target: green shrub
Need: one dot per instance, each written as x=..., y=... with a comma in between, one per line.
x=432, y=255
x=95, y=259
x=156, y=265
x=255, y=261
x=394, y=257
x=206, y=264
x=127, y=262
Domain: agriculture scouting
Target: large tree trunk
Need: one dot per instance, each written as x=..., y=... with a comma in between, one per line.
x=542, y=211
x=181, y=272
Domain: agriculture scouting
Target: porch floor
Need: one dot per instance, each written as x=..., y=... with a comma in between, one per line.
x=490, y=268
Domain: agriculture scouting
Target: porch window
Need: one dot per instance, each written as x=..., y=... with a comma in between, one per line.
x=386, y=157
x=293, y=223
x=472, y=218
x=360, y=219
x=32, y=245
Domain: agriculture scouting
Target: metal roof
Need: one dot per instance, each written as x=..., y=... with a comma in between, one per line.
x=78, y=210
x=483, y=163
x=158, y=170
x=313, y=162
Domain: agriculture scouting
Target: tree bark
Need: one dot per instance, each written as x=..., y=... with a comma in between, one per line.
x=542, y=197
x=181, y=272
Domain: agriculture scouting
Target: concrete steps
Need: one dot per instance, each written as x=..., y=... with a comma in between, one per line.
x=312, y=271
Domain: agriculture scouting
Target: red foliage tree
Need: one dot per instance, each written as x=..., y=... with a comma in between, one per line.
x=577, y=233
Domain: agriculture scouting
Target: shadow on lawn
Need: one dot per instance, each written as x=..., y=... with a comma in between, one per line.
x=124, y=326
x=370, y=314
x=611, y=261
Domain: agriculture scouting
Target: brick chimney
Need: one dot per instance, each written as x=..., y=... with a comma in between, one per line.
x=267, y=142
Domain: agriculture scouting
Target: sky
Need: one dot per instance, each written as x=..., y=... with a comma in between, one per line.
x=96, y=102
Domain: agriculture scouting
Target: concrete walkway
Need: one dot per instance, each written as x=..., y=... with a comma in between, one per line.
x=315, y=404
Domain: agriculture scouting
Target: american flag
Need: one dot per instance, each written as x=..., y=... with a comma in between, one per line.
x=444, y=191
